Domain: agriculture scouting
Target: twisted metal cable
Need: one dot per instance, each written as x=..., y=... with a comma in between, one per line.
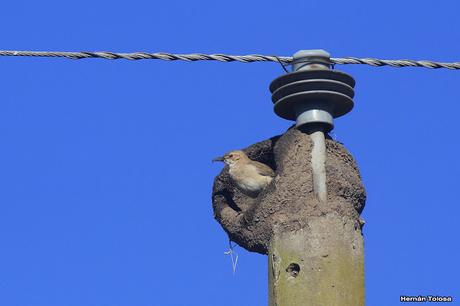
x=144, y=55
x=228, y=58
x=395, y=63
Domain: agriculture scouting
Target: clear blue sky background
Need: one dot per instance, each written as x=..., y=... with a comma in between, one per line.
x=105, y=166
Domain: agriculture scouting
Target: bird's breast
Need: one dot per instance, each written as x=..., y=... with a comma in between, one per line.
x=248, y=180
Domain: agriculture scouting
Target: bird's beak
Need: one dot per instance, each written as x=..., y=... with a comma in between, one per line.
x=220, y=158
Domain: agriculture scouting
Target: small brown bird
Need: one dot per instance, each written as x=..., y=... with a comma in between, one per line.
x=250, y=176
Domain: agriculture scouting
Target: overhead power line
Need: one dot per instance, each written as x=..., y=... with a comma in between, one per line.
x=228, y=58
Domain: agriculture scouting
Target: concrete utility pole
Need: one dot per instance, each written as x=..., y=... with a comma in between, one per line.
x=307, y=220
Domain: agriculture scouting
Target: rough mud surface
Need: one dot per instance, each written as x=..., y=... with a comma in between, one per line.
x=288, y=202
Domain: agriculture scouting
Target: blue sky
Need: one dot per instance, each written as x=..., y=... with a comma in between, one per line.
x=105, y=166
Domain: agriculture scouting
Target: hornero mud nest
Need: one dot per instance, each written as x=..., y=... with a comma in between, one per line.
x=289, y=201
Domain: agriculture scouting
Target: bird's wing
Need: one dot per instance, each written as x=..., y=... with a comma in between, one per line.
x=264, y=170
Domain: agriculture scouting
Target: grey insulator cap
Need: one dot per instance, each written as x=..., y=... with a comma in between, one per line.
x=312, y=93
x=311, y=60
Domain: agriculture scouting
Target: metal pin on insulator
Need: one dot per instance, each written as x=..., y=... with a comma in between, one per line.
x=312, y=93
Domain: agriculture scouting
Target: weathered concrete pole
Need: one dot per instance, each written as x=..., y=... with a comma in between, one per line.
x=307, y=220
x=319, y=265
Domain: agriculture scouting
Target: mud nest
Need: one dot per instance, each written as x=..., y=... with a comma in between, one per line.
x=289, y=201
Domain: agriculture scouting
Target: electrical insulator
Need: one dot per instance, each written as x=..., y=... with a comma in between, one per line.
x=313, y=93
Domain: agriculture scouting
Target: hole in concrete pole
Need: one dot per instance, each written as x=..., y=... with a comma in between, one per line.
x=293, y=269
